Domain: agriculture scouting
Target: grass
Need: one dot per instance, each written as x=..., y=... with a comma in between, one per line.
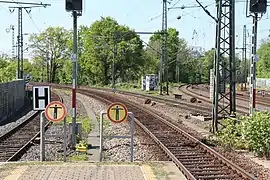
x=78, y=157
x=87, y=125
x=106, y=122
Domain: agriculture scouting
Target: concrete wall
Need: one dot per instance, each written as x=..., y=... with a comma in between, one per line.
x=11, y=98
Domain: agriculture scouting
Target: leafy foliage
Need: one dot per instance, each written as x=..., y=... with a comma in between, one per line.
x=98, y=51
x=264, y=60
x=51, y=46
x=250, y=133
x=257, y=132
x=231, y=136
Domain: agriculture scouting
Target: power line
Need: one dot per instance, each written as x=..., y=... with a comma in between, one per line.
x=31, y=18
x=25, y=3
x=175, y=4
x=20, y=29
x=206, y=11
x=4, y=8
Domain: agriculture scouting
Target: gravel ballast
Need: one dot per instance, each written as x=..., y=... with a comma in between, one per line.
x=7, y=127
x=177, y=115
x=54, y=138
x=119, y=149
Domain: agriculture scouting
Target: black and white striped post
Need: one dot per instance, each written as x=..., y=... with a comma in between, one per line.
x=252, y=102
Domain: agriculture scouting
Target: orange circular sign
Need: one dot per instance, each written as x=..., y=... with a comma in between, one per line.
x=55, y=111
x=117, y=112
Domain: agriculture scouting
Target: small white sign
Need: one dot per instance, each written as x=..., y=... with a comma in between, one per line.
x=256, y=58
x=73, y=57
x=41, y=97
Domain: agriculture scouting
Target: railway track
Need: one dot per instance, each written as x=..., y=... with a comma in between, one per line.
x=180, y=104
x=260, y=100
x=202, y=109
x=195, y=159
x=185, y=89
x=16, y=142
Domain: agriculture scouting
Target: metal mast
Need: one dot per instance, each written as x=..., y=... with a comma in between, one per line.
x=177, y=67
x=252, y=104
x=12, y=28
x=244, y=55
x=255, y=7
x=20, y=31
x=20, y=44
x=164, y=46
x=224, y=67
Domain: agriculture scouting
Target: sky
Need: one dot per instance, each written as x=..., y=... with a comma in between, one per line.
x=195, y=26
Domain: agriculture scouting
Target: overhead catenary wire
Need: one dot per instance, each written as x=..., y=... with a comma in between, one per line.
x=31, y=18
x=206, y=11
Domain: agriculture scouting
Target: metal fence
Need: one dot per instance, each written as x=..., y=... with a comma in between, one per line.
x=263, y=83
x=11, y=98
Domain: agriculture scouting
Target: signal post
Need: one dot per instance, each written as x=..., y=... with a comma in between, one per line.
x=256, y=7
x=74, y=6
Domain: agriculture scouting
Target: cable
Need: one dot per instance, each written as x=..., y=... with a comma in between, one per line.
x=5, y=9
x=206, y=11
x=183, y=7
x=192, y=12
x=174, y=5
x=31, y=18
x=151, y=19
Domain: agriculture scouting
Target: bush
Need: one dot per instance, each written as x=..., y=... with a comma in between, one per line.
x=249, y=133
x=231, y=136
x=256, y=131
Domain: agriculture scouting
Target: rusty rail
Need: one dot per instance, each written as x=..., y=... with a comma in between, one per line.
x=195, y=159
x=15, y=143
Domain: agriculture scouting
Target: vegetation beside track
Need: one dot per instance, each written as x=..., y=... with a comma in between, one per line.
x=248, y=133
x=135, y=87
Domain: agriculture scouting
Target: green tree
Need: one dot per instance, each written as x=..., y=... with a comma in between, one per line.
x=207, y=64
x=52, y=45
x=97, y=53
x=263, y=64
x=177, y=48
x=152, y=55
x=8, y=72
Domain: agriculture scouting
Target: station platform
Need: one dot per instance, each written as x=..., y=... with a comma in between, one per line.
x=90, y=171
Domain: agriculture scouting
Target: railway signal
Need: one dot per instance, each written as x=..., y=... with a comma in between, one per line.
x=74, y=6
x=256, y=7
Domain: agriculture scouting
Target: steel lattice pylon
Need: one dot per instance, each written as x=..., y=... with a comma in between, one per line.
x=164, y=58
x=224, y=64
x=20, y=44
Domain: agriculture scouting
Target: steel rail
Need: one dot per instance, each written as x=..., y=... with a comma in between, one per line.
x=260, y=100
x=185, y=90
x=168, y=152
x=16, y=129
x=198, y=108
x=17, y=155
x=188, y=174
